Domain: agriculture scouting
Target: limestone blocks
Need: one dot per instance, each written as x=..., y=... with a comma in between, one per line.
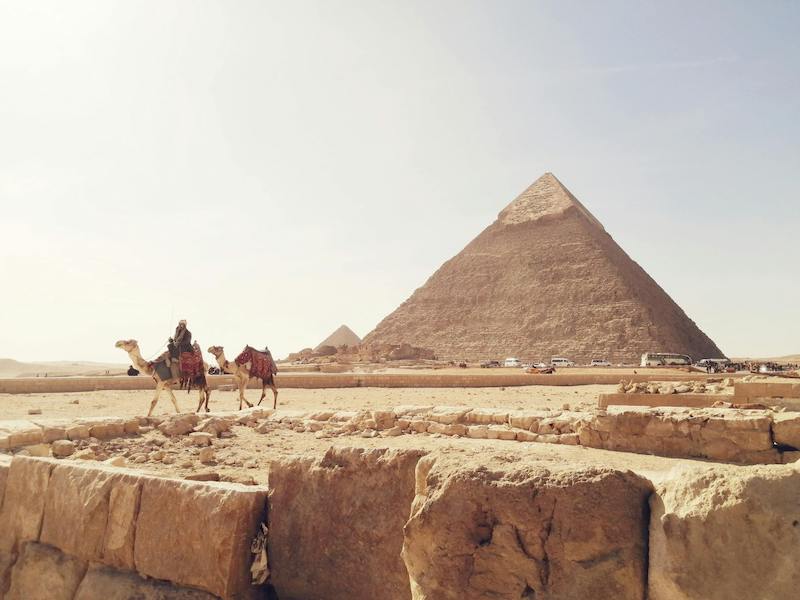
x=726, y=532
x=70, y=514
x=525, y=531
x=336, y=524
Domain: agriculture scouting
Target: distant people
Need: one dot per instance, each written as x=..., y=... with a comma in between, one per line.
x=132, y=372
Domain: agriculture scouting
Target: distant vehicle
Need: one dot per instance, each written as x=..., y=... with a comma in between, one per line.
x=214, y=371
x=663, y=359
x=490, y=364
x=540, y=365
x=512, y=362
x=719, y=363
x=600, y=362
x=558, y=361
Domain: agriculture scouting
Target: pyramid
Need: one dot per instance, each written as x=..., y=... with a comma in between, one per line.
x=543, y=280
x=343, y=336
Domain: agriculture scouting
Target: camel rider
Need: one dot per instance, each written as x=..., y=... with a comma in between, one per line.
x=181, y=341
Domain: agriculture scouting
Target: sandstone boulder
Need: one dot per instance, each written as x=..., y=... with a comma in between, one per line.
x=336, y=524
x=490, y=529
x=44, y=573
x=725, y=532
x=62, y=448
x=178, y=424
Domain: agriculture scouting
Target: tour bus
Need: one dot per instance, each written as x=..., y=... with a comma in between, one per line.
x=662, y=359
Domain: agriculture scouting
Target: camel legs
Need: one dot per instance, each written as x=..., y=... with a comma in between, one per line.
x=242, y=385
x=173, y=398
x=154, y=401
x=274, y=394
x=205, y=392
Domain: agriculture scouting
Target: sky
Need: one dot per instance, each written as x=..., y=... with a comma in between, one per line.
x=272, y=170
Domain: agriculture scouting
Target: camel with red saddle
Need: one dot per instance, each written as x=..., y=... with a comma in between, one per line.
x=167, y=374
x=250, y=363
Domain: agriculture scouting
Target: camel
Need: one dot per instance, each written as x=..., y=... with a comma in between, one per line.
x=242, y=375
x=132, y=348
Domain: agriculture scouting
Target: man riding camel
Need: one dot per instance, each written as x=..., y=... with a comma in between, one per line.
x=180, y=342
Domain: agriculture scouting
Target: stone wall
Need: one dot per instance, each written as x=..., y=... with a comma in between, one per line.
x=375, y=523
x=344, y=380
x=76, y=529
x=736, y=436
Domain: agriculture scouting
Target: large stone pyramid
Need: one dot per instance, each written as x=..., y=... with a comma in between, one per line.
x=344, y=336
x=543, y=280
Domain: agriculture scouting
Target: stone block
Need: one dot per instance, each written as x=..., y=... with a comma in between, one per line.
x=455, y=429
x=786, y=429
x=336, y=524
x=525, y=530
x=447, y=415
x=419, y=426
x=478, y=432
x=62, y=448
x=408, y=410
x=487, y=416
x=43, y=573
x=131, y=426
x=178, y=424
x=526, y=436
x=724, y=532
x=23, y=502
x=221, y=519
x=103, y=583
x=201, y=438
x=51, y=434
x=524, y=419
x=77, y=432
x=384, y=419
x=97, y=528
x=439, y=428
x=499, y=432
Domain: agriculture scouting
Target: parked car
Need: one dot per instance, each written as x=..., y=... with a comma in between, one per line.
x=558, y=361
x=600, y=362
x=490, y=364
x=512, y=362
x=540, y=365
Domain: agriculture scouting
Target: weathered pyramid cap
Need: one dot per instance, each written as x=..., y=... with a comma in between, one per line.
x=545, y=197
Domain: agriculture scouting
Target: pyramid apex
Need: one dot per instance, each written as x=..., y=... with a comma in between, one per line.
x=546, y=196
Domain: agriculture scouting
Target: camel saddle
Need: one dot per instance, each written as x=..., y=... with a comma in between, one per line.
x=191, y=364
x=261, y=364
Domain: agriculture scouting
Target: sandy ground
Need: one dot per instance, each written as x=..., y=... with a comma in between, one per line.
x=120, y=403
x=246, y=455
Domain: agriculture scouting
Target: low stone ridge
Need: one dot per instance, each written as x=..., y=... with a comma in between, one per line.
x=736, y=436
x=525, y=531
x=726, y=532
x=336, y=524
x=187, y=533
x=519, y=290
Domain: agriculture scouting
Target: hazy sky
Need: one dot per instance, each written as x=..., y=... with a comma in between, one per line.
x=271, y=170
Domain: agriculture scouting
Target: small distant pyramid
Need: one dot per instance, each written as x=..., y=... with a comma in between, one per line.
x=343, y=336
x=545, y=279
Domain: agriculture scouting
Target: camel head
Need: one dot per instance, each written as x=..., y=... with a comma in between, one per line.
x=127, y=345
x=215, y=350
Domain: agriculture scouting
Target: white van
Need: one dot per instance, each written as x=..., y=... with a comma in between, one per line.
x=557, y=361
x=512, y=362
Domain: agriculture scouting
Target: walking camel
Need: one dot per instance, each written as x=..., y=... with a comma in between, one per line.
x=250, y=363
x=165, y=377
